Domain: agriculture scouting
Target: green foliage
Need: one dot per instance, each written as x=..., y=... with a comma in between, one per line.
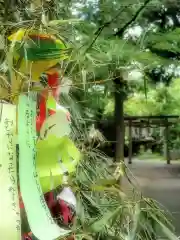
x=160, y=100
x=106, y=212
x=161, y=12
x=165, y=41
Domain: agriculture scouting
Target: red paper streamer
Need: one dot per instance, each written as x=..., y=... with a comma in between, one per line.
x=53, y=84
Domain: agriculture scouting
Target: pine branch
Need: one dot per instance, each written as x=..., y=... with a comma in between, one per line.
x=120, y=32
x=106, y=24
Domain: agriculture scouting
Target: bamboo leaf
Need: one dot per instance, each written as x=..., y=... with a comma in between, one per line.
x=61, y=22
x=98, y=225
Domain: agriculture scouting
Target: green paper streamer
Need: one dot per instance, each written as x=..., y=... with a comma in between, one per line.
x=10, y=224
x=37, y=48
x=51, y=103
x=40, y=220
x=55, y=149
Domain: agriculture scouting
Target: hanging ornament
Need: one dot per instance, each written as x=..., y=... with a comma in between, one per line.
x=34, y=53
x=53, y=77
x=47, y=155
x=57, y=124
x=10, y=223
x=40, y=220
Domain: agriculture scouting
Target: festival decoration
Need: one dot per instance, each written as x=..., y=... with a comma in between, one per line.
x=36, y=52
x=46, y=155
x=9, y=206
x=39, y=217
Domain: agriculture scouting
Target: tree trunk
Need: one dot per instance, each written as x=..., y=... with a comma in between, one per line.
x=119, y=97
x=166, y=143
x=130, y=142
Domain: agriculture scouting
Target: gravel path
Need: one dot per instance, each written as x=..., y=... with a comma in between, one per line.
x=160, y=181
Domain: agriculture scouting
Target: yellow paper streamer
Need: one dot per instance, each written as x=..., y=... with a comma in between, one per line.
x=9, y=204
x=35, y=69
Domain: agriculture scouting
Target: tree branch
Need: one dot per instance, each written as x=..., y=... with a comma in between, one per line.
x=106, y=24
x=120, y=32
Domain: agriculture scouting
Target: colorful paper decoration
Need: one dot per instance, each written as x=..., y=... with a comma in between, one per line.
x=55, y=144
x=34, y=53
x=47, y=98
x=46, y=153
x=41, y=223
x=34, y=46
x=53, y=82
x=10, y=223
x=58, y=124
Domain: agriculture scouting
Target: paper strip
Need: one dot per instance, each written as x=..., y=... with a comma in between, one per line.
x=10, y=225
x=41, y=223
x=57, y=125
